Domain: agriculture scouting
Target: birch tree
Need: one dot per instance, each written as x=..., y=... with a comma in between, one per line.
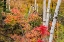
x=54, y=21
x=48, y=13
x=8, y=3
x=30, y=10
x=44, y=12
x=35, y=4
x=37, y=7
x=33, y=8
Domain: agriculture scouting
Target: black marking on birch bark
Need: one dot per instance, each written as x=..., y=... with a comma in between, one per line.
x=44, y=21
x=56, y=17
x=51, y=33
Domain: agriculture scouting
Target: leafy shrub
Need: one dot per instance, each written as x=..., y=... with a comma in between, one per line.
x=34, y=20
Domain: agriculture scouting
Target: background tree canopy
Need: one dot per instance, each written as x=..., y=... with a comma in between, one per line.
x=19, y=23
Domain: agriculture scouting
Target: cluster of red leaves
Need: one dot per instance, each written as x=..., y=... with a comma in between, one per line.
x=37, y=32
x=34, y=35
x=43, y=30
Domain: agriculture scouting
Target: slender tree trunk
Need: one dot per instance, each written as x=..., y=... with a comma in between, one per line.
x=44, y=12
x=48, y=12
x=33, y=8
x=30, y=10
x=37, y=7
x=35, y=4
x=54, y=21
x=9, y=4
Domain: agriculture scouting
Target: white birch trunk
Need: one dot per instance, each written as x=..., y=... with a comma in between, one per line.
x=44, y=12
x=37, y=7
x=48, y=13
x=35, y=4
x=8, y=3
x=33, y=8
x=54, y=21
x=30, y=10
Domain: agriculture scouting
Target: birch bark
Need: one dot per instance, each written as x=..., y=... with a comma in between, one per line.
x=37, y=7
x=8, y=3
x=44, y=12
x=35, y=4
x=54, y=21
x=48, y=13
x=30, y=10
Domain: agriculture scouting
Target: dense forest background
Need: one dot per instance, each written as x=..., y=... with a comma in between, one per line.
x=24, y=7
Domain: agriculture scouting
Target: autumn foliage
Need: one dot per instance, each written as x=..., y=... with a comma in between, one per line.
x=30, y=28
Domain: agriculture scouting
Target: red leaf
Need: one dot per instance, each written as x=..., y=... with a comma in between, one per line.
x=39, y=40
x=43, y=30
